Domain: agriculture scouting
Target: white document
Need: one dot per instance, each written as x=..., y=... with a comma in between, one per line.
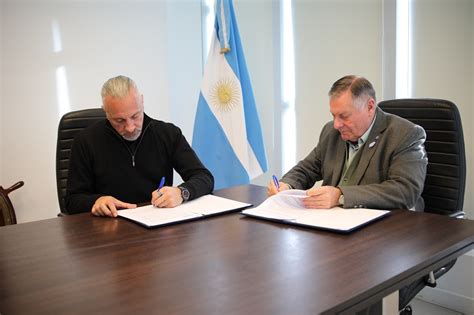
x=151, y=216
x=287, y=206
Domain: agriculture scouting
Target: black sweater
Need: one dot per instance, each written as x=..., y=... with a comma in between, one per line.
x=103, y=163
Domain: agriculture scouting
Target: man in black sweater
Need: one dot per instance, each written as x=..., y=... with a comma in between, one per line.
x=119, y=162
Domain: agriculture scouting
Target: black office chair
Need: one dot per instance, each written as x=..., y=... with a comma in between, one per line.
x=69, y=125
x=7, y=212
x=446, y=172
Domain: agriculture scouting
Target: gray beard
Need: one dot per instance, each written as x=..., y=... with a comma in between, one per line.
x=139, y=132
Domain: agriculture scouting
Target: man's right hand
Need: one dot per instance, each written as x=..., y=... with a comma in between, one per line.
x=107, y=206
x=272, y=189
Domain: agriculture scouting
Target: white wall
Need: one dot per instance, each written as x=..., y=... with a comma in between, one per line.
x=443, y=60
x=156, y=42
x=184, y=62
x=159, y=44
x=443, y=54
x=389, y=18
x=2, y=183
x=184, y=65
x=258, y=41
x=98, y=40
x=332, y=39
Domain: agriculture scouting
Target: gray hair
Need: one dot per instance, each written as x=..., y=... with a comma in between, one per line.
x=118, y=87
x=361, y=88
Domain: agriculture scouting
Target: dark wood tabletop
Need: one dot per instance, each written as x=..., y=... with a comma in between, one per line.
x=227, y=264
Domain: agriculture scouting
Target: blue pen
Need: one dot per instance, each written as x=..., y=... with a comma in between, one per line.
x=162, y=183
x=275, y=181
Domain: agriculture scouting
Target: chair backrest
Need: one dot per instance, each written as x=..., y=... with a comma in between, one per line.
x=446, y=173
x=7, y=212
x=69, y=125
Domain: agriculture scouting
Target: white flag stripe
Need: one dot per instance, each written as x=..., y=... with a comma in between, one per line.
x=254, y=168
x=232, y=121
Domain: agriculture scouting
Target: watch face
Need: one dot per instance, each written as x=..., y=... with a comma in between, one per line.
x=341, y=199
x=184, y=193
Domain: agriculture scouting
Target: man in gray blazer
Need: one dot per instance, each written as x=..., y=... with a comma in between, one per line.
x=365, y=157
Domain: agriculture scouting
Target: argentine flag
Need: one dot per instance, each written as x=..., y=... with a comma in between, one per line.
x=227, y=135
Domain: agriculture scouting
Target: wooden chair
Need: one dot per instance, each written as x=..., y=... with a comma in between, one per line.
x=7, y=212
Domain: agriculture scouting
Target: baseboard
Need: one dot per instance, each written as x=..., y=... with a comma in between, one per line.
x=447, y=299
x=455, y=289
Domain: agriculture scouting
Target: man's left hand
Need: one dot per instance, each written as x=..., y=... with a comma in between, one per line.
x=324, y=197
x=166, y=197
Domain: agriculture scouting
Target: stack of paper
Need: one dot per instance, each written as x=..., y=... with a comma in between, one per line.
x=287, y=207
x=204, y=206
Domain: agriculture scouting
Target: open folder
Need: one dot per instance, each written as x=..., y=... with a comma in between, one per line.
x=201, y=207
x=287, y=207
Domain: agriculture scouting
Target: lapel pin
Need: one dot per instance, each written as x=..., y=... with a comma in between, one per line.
x=373, y=142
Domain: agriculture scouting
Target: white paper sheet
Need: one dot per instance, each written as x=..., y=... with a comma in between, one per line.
x=287, y=206
x=206, y=205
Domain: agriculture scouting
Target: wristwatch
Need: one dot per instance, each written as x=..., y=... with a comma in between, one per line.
x=184, y=193
x=341, y=197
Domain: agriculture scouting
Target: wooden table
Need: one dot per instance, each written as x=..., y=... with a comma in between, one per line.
x=227, y=264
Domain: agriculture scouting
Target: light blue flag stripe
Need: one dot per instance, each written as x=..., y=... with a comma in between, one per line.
x=236, y=59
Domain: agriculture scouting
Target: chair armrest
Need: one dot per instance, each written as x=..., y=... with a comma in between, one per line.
x=458, y=215
x=13, y=187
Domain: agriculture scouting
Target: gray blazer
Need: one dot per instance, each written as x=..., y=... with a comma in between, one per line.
x=391, y=172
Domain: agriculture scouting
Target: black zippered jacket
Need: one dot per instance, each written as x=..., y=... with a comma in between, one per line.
x=102, y=163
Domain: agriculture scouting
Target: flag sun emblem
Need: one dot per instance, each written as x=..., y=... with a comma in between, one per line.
x=225, y=95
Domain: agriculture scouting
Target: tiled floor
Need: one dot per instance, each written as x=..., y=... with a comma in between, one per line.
x=424, y=308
